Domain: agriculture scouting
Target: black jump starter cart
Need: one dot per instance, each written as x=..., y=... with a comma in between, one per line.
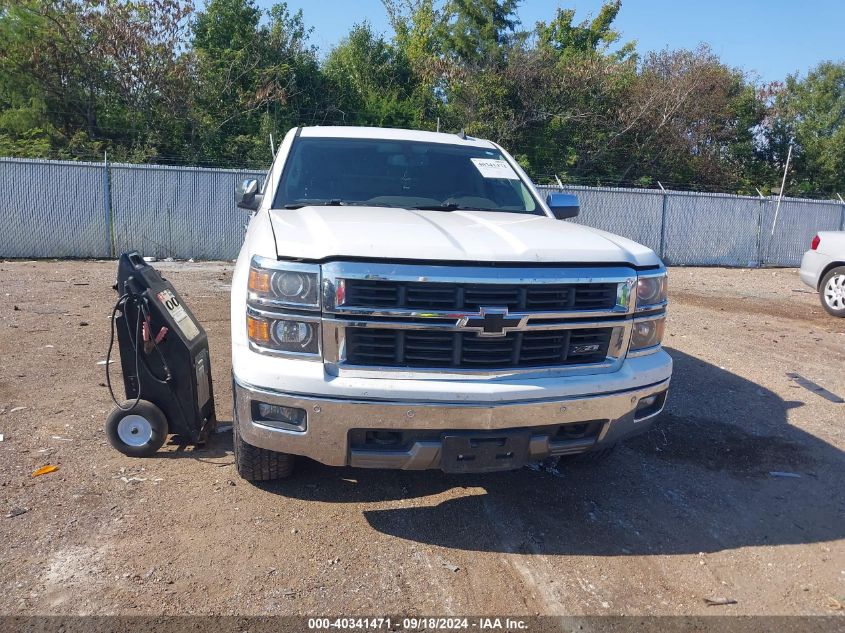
x=165, y=363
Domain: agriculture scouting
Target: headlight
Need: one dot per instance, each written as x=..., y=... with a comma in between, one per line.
x=286, y=284
x=651, y=292
x=647, y=333
x=286, y=335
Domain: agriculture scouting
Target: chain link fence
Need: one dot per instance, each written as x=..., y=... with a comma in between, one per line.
x=74, y=209
x=52, y=209
x=177, y=212
x=709, y=229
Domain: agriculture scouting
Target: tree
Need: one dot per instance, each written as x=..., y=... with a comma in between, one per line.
x=418, y=28
x=96, y=74
x=479, y=32
x=590, y=36
x=372, y=80
x=151, y=80
x=685, y=121
x=25, y=127
x=252, y=77
x=546, y=101
x=811, y=111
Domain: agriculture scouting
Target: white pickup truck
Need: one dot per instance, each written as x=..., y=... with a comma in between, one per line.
x=409, y=300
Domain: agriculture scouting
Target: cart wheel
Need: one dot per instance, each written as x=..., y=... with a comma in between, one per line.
x=139, y=432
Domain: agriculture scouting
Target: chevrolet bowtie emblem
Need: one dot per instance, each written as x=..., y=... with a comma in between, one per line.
x=492, y=322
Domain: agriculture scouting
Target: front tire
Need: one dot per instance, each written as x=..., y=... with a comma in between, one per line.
x=139, y=431
x=259, y=464
x=832, y=291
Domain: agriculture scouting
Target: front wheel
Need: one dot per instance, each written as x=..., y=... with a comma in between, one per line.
x=832, y=291
x=139, y=431
x=259, y=464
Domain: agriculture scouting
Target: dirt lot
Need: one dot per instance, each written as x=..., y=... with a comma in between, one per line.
x=687, y=512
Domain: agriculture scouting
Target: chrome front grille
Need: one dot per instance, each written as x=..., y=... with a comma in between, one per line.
x=411, y=321
x=457, y=350
x=473, y=296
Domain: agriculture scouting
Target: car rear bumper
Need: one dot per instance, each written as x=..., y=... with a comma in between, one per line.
x=812, y=265
x=423, y=434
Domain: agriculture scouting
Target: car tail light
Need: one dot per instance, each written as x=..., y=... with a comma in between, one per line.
x=815, y=243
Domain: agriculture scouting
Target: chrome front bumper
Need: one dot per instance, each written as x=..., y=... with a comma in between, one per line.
x=329, y=422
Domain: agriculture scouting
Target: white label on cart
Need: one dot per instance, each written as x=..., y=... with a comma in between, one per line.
x=490, y=168
x=185, y=323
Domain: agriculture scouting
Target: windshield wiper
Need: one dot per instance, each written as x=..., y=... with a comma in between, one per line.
x=334, y=202
x=449, y=206
x=364, y=203
x=337, y=202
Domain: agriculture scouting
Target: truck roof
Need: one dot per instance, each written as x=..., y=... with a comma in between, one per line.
x=395, y=134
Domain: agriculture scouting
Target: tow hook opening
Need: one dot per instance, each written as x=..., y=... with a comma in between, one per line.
x=384, y=438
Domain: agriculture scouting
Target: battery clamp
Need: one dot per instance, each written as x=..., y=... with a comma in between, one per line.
x=165, y=362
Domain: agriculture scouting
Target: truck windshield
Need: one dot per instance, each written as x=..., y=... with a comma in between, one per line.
x=402, y=174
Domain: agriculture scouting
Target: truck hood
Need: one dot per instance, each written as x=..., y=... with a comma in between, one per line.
x=318, y=233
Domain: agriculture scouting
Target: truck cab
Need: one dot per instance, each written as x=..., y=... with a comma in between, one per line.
x=408, y=299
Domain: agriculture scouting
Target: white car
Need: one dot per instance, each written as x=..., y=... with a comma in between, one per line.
x=409, y=300
x=823, y=269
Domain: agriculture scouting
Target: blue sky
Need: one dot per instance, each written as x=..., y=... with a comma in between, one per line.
x=770, y=37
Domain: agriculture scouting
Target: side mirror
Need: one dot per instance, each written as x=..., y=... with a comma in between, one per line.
x=247, y=195
x=563, y=205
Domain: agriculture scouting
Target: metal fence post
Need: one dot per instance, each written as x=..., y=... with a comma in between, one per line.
x=842, y=215
x=663, y=223
x=759, y=245
x=107, y=204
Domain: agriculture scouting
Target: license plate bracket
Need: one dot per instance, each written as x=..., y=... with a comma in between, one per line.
x=480, y=452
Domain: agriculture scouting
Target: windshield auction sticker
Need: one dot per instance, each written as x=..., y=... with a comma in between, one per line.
x=490, y=168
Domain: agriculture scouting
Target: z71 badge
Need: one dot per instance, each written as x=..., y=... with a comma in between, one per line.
x=585, y=348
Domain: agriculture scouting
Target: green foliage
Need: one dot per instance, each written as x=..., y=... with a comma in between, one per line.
x=371, y=80
x=162, y=81
x=418, y=30
x=252, y=77
x=479, y=31
x=812, y=112
x=589, y=36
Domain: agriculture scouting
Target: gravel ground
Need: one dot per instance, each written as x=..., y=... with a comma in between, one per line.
x=685, y=513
